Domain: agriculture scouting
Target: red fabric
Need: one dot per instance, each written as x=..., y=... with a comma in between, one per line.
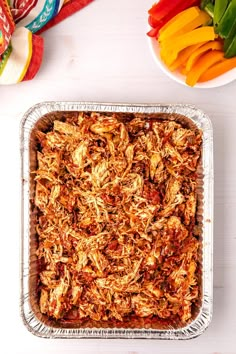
x=22, y=9
x=37, y=51
x=7, y=25
x=36, y=59
x=68, y=9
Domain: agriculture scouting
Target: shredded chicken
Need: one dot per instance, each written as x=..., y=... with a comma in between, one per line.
x=116, y=218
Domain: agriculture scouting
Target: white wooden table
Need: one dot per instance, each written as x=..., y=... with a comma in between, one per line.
x=101, y=54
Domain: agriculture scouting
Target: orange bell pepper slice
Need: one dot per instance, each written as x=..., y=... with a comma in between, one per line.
x=202, y=65
x=212, y=45
x=218, y=69
x=184, y=55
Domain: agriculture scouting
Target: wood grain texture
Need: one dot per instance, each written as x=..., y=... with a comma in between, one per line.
x=101, y=54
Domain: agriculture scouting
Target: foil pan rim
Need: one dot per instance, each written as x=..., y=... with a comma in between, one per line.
x=202, y=321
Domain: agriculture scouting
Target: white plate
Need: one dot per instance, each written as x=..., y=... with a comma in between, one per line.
x=218, y=81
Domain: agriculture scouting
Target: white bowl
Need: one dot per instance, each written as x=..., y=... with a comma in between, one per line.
x=218, y=81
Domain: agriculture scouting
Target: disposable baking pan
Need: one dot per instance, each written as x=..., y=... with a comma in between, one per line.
x=40, y=117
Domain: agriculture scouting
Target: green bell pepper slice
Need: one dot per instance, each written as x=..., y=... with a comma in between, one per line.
x=219, y=10
x=228, y=21
x=208, y=6
x=231, y=48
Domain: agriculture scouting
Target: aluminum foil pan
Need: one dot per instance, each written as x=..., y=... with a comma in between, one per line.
x=37, y=118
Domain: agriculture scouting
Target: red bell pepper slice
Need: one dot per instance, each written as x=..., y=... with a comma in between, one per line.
x=153, y=32
x=152, y=21
x=157, y=19
x=164, y=7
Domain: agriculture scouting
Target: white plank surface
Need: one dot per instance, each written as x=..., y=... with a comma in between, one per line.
x=101, y=54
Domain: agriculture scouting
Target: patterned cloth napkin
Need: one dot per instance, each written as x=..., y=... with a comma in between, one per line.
x=21, y=21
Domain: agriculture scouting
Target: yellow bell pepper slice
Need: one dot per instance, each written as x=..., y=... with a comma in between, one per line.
x=169, y=50
x=202, y=65
x=212, y=45
x=183, y=27
x=178, y=22
x=202, y=19
x=170, y=22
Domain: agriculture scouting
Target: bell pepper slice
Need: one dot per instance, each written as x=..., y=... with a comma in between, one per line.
x=160, y=22
x=184, y=55
x=170, y=49
x=164, y=7
x=208, y=6
x=212, y=45
x=219, y=10
x=218, y=69
x=179, y=21
x=202, y=65
x=231, y=49
x=153, y=32
x=157, y=24
x=152, y=21
x=202, y=20
x=182, y=27
x=227, y=21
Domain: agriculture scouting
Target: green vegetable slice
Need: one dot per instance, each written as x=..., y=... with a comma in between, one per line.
x=208, y=6
x=231, y=50
x=228, y=21
x=219, y=10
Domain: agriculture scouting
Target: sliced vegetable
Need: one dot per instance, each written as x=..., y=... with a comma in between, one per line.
x=157, y=25
x=231, y=50
x=232, y=34
x=153, y=32
x=158, y=21
x=227, y=43
x=172, y=19
x=179, y=21
x=227, y=21
x=198, y=41
x=170, y=49
x=218, y=69
x=202, y=65
x=230, y=39
x=210, y=9
x=219, y=10
x=183, y=70
x=183, y=56
x=208, y=6
x=152, y=21
x=204, y=3
x=212, y=45
x=164, y=7
x=201, y=20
